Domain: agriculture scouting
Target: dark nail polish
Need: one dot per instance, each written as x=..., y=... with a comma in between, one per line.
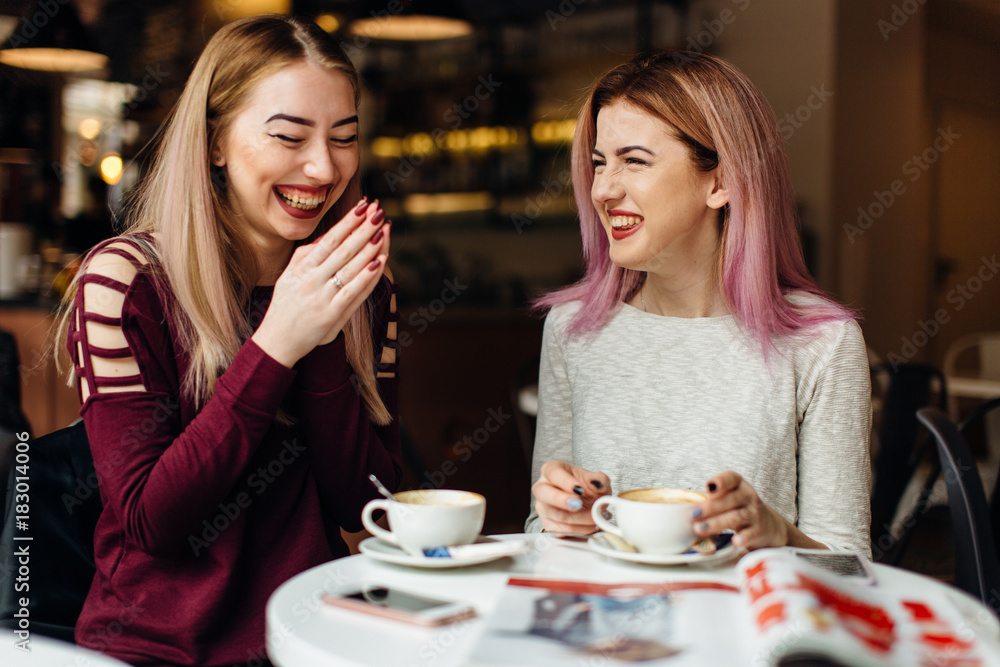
x=362, y=206
x=377, y=237
x=712, y=487
x=578, y=490
x=597, y=485
x=378, y=217
x=374, y=265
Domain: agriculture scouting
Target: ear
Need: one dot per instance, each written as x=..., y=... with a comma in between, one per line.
x=217, y=159
x=719, y=196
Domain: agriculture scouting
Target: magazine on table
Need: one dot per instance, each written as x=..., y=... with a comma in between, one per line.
x=784, y=609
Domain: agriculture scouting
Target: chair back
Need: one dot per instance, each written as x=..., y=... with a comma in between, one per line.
x=909, y=388
x=977, y=569
x=63, y=512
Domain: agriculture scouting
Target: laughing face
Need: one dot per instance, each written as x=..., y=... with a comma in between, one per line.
x=660, y=212
x=290, y=153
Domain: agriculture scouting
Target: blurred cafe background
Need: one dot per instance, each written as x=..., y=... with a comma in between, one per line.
x=890, y=110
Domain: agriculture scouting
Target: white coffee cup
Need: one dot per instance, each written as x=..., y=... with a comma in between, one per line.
x=655, y=521
x=428, y=518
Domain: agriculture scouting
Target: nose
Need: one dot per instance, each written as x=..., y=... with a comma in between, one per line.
x=606, y=188
x=320, y=166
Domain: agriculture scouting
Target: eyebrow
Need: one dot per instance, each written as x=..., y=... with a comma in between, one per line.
x=625, y=149
x=309, y=123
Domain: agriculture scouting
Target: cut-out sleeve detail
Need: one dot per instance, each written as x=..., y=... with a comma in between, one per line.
x=386, y=362
x=101, y=355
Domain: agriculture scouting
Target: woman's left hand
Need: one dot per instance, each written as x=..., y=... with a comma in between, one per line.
x=733, y=504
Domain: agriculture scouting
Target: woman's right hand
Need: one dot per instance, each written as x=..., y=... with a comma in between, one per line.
x=564, y=494
x=308, y=309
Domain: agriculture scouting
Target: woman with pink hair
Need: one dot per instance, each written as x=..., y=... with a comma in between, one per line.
x=697, y=351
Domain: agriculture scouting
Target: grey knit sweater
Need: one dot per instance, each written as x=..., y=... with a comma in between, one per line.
x=666, y=401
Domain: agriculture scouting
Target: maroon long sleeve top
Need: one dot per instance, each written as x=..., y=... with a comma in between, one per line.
x=207, y=511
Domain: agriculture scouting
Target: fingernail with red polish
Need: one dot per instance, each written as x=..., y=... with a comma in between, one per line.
x=374, y=265
x=378, y=217
x=362, y=206
x=377, y=237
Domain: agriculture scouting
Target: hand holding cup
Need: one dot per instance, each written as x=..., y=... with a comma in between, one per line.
x=564, y=494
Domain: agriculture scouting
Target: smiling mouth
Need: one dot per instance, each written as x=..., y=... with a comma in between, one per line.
x=625, y=222
x=304, y=201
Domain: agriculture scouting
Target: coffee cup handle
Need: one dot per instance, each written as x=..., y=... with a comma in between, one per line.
x=372, y=527
x=602, y=523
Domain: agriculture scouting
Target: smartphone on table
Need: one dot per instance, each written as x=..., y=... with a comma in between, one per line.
x=846, y=564
x=390, y=602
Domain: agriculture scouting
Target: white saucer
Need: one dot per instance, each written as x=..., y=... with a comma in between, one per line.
x=376, y=549
x=602, y=545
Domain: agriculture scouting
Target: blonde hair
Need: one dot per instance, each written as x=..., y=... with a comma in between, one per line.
x=202, y=246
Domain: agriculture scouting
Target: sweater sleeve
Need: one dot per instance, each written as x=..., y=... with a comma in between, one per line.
x=344, y=444
x=159, y=478
x=834, y=467
x=554, y=429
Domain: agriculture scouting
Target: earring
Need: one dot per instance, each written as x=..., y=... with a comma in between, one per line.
x=217, y=159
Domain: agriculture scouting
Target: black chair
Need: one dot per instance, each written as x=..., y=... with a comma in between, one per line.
x=977, y=569
x=63, y=511
x=921, y=507
x=900, y=452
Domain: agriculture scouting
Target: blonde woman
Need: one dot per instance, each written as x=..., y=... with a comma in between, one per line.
x=697, y=351
x=235, y=354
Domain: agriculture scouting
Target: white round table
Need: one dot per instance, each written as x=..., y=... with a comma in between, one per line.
x=302, y=631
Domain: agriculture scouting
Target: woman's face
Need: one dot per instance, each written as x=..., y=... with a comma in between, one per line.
x=660, y=213
x=291, y=151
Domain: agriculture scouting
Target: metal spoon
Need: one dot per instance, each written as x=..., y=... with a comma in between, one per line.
x=381, y=488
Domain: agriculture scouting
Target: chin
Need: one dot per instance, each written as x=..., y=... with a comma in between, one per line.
x=626, y=262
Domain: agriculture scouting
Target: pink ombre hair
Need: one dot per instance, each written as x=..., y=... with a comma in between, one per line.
x=727, y=124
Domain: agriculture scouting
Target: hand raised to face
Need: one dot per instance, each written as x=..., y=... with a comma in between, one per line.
x=324, y=284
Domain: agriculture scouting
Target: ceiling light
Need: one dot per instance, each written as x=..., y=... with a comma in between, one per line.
x=237, y=9
x=7, y=25
x=412, y=28
x=447, y=202
x=328, y=22
x=111, y=168
x=89, y=128
x=51, y=38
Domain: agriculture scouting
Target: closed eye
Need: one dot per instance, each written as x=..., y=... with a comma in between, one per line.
x=346, y=141
x=635, y=160
x=598, y=163
x=291, y=140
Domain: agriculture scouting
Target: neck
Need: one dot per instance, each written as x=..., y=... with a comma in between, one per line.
x=687, y=288
x=272, y=258
x=703, y=299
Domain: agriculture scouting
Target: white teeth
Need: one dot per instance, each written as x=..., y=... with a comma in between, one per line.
x=302, y=203
x=620, y=221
